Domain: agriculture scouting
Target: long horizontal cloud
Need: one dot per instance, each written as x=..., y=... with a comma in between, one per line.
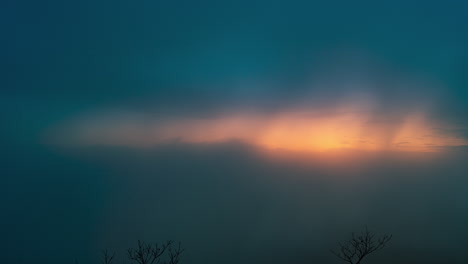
x=349, y=102
x=353, y=125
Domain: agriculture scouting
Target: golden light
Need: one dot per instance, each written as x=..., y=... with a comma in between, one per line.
x=303, y=130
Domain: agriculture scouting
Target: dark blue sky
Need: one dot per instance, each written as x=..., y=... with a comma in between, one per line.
x=147, y=65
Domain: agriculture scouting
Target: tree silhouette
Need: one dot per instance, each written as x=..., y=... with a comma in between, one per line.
x=174, y=254
x=359, y=246
x=146, y=253
x=106, y=257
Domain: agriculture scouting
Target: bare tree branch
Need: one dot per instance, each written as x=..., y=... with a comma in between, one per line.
x=359, y=246
x=146, y=253
x=175, y=253
x=106, y=257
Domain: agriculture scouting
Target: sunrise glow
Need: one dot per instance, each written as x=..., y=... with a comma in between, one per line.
x=304, y=130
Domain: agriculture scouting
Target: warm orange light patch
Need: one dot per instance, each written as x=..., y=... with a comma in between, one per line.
x=306, y=133
x=358, y=131
x=348, y=129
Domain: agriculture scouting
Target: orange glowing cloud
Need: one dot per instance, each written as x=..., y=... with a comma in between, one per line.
x=349, y=128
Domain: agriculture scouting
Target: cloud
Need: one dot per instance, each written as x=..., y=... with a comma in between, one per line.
x=352, y=125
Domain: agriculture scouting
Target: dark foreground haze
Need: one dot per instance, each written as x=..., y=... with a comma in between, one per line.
x=230, y=202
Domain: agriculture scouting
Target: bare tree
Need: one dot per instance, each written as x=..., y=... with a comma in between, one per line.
x=359, y=246
x=147, y=253
x=174, y=254
x=106, y=257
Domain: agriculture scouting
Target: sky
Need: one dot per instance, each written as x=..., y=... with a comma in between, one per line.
x=252, y=131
